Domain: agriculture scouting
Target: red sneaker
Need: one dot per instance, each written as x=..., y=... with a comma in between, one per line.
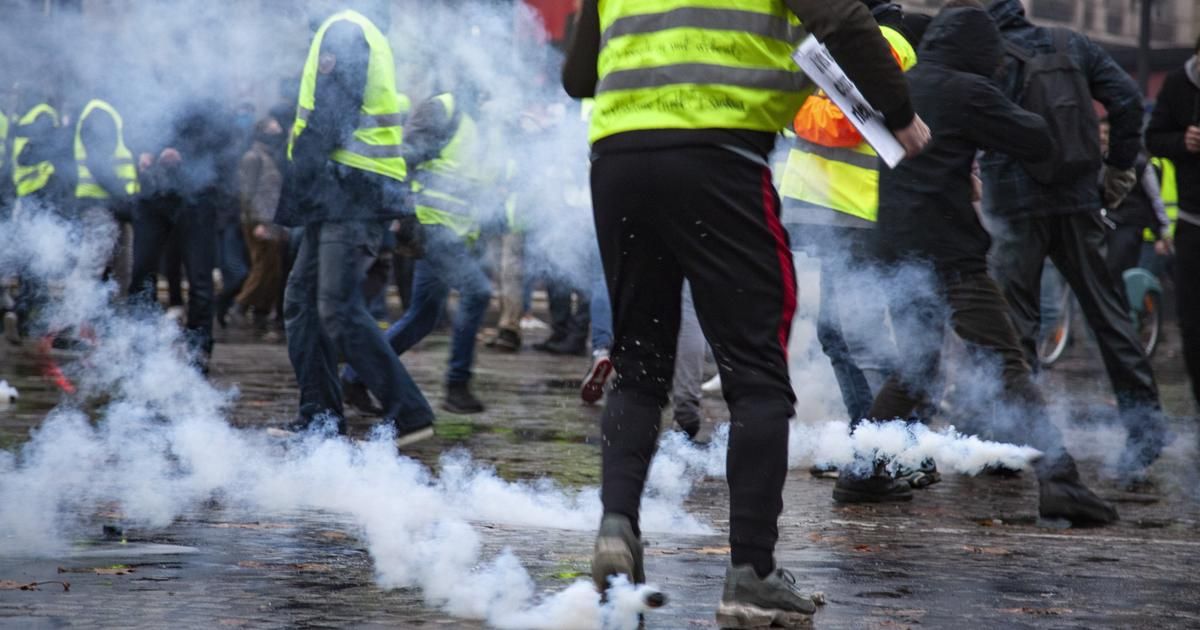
x=593, y=383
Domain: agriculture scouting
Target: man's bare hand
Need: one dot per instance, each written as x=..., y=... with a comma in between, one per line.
x=1191, y=139
x=262, y=232
x=1163, y=246
x=914, y=137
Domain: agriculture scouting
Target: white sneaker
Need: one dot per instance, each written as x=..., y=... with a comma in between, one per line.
x=177, y=314
x=529, y=322
x=712, y=385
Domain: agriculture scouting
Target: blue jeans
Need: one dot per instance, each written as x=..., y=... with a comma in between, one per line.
x=326, y=317
x=851, y=322
x=602, y=317
x=448, y=264
x=231, y=260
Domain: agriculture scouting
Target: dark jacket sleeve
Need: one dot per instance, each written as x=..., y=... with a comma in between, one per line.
x=428, y=130
x=99, y=137
x=579, y=70
x=1164, y=136
x=997, y=124
x=45, y=142
x=1114, y=88
x=852, y=37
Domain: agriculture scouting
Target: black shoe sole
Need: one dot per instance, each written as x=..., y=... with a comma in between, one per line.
x=842, y=495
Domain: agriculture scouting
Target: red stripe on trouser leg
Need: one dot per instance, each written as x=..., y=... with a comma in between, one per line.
x=786, y=270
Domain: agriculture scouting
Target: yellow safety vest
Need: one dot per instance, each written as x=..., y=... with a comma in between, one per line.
x=123, y=165
x=445, y=185
x=1169, y=190
x=3, y=139
x=375, y=146
x=840, y=178
x=696, y=64
x=510, y=201
x=30, y=178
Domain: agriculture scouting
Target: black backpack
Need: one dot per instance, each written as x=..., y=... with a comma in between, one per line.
x=1055, y=88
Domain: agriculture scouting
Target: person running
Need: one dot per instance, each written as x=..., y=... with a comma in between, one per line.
x=681, y=189
x=927, y=219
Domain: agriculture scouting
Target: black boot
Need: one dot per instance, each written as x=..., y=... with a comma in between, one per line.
x=1062, y=495
x=459, y=399
x=357, y=396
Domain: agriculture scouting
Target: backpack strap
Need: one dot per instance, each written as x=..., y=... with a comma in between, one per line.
x=1018, y=51
x=1062, y=40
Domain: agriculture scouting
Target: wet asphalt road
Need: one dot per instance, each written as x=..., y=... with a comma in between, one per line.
x=967, y=553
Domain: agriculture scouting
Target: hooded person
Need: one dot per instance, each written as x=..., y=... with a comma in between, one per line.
x=830, y=194
x=1174, y=135
x=927, y=220
x=183, y=189
x=1050, y=208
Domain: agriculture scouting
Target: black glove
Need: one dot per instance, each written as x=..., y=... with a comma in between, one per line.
x=410, y=236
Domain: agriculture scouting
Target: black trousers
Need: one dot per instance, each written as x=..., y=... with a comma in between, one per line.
x=711, y=216
x=978, y=314
x=570, y=318
x=1075, y=244
x=1187, y=288
x=195, y=228
x=1124, y=250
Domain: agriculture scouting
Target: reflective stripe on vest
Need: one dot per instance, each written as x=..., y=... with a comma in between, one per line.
x=696, y=64
x=3, y=139
x=846, y=180
x=838, y=178
x=122, y=159
x=445, y=184
x=375, y=146
x=30, y=178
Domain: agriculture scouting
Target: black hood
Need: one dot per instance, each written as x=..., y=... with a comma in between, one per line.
x=1008, y=14
x=963, y=39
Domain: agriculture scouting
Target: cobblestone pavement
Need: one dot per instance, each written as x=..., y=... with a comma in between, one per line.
x=967, y=553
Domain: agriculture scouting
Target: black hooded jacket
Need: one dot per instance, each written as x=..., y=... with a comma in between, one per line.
x=925, y=208
x=1009, y=191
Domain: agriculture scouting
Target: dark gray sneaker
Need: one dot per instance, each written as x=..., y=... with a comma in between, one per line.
x=618, y=552
x=922, y=477
x=753, y=602
x=879, y=488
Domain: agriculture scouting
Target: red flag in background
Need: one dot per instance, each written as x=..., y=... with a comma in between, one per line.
x=555, y=15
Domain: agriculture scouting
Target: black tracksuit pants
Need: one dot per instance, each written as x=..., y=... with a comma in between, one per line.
x=712, y=216
x=1074, y=243
x=1187, y=270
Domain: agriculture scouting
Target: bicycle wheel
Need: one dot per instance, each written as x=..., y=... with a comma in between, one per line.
x=1056, y=337
x=1148, y=319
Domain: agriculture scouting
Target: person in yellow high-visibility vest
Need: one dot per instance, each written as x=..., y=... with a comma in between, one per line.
x=681, y=189
x=106, y=182
x=830, y=193
x=40, y=159
x=443, y=144
x=1173, y=136
x=347, y=180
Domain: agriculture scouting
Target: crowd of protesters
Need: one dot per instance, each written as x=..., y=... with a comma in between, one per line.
x=313, y=209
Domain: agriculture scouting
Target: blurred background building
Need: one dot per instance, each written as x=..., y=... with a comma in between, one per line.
x=1147, y=37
